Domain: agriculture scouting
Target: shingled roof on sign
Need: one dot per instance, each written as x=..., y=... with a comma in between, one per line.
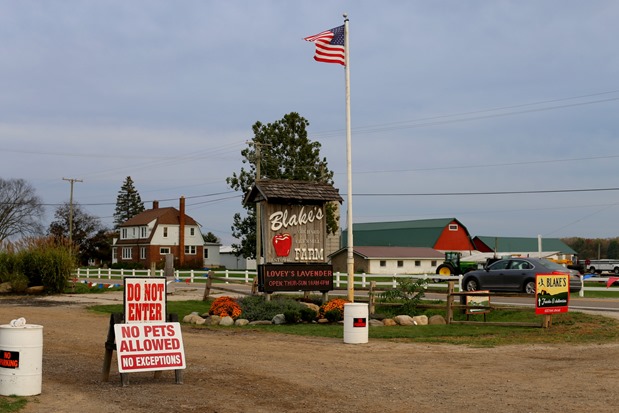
x=288, y=191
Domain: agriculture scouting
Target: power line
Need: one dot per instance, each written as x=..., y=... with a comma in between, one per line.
x=469, y=116
x=548, y=191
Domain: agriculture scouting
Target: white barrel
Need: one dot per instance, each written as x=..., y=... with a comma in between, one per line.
x=21, y=358
x=356, y=323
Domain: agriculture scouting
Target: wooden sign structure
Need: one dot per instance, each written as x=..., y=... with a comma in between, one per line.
x=145, y=337
x=293, y=225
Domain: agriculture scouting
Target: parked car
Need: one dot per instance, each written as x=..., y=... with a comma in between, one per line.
x=517, y=275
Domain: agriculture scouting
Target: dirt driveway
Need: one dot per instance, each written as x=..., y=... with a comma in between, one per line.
x=241, y=371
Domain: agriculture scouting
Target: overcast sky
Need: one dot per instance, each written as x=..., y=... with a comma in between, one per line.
x=447, y=97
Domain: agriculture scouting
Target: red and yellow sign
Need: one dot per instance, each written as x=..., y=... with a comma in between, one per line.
x=552, y=293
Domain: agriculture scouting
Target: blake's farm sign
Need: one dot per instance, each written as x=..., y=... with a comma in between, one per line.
x=294, y=233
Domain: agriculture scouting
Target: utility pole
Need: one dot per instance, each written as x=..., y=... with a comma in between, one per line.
x=258, y=211
x=72, y=181
x=258, y=155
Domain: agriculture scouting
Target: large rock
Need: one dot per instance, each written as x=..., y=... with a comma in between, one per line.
x=312, y=306
x=279, y=319
x=241, y=322
x=6, y=288
x=213, y=320
x=389, y=322
x=226, y=321
x=376, y=323
x=421, y=320
x=261, y=323
x=190, y=318
x=39, y=289
x=404, y=320
x=437, y=319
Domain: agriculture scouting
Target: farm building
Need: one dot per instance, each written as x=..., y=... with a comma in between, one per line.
x=154, y=233
x=388, y=260
x=443, y=234
x=552, y=248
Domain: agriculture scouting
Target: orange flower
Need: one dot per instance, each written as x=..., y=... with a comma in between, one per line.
x=225, y=307
x=335, y=304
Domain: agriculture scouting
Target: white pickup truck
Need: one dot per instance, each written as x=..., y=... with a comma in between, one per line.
x=600, y=266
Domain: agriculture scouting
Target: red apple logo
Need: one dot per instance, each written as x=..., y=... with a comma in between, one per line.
x=282, y=244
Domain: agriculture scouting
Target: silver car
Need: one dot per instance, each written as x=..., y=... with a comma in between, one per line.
x=516, y=275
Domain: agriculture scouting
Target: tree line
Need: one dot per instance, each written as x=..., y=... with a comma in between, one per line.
x=594, y=248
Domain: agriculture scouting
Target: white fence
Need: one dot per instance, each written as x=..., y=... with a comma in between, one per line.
x=340, y=280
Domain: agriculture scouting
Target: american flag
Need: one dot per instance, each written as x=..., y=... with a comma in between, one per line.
x=329, y=46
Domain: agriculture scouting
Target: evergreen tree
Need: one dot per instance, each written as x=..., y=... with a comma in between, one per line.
x=210, y=237
x=284, y=152
x=128, y=203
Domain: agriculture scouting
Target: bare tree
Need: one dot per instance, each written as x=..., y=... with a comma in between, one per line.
x=21, y=209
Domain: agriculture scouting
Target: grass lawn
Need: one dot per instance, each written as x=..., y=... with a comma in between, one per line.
x=572, y=327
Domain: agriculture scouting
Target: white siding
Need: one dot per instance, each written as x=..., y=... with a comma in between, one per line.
x=409, y=267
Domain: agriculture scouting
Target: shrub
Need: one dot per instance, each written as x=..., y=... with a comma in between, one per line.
x=334, y=315
x=225, y=306
x=409, y=292
x=47, y=262
x=292, y=316
x=256, y=307
x=308, y=315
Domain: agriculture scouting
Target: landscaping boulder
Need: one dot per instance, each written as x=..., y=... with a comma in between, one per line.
x=260, y=323
x=226, y=321
x=311, y=306
x=421, y=320
x=279, y=319
x=241, y=322
x=376, y=323
x=437, y=319
x=213, y=320
x=39, y=289
x=389, y=322
x=404, y=320
x=6, y=288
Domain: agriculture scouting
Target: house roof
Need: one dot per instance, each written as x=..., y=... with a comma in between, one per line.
x=289, y=191
x=417, y=233
x=164, y=216
x=512, y=244
x=375, y=252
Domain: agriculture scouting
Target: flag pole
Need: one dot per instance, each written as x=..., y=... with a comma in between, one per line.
x=350, y=261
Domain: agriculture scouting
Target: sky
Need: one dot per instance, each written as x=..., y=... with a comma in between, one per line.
x=501, y=114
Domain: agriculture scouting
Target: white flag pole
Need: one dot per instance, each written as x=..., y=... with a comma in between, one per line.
x=350, y=261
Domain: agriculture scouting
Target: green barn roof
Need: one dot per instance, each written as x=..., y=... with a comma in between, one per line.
x=418, y=233
x=516, y=244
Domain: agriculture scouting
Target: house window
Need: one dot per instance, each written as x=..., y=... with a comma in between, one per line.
x=143, y=232
x=192, y=231
x=453, y=227
x=400, y=263
x=383, y=263
x=123, y=233
x=126, y=253
x=114, y=253
x=165, y=232
x=417, y=263
x=142, y=253
x=433, y=263
x=164, y=250
x=190, y=249
x=205, y=252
